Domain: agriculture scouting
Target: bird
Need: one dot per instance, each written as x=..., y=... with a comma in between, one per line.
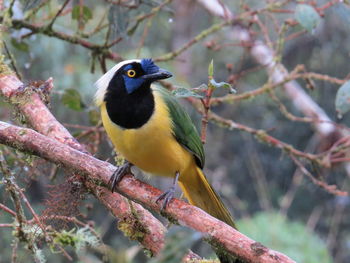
x=151, y=130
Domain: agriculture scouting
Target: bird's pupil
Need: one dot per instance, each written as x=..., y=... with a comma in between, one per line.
x=131, y=73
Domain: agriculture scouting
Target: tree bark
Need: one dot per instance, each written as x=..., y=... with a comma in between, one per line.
x=97, y=173
x=41, y=119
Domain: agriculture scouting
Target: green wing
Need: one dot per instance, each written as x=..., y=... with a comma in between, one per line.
x=184, y=130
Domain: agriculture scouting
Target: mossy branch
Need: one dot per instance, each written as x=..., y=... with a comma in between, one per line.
x=217, y=232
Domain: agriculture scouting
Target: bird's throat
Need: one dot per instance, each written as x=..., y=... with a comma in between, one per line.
x=130, y=111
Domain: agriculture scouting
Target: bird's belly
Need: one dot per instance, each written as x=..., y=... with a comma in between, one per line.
x=152, y=148
x=159, y=154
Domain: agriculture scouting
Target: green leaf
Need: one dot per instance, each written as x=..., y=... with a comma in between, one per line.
x=185, y=93
x=201, y=88
x=342, y=99
x=224, y=85
x=307, y=16
x=72, y=99
x=211, y=68
x=20, y=45
x=86, y=13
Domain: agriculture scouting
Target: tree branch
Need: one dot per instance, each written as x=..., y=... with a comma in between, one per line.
x=29, y=103
x=47, y=30
x=265, y=56
x=276, y=71
x=98, y=173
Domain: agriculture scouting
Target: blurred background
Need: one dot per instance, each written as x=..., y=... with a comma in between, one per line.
x=268, y=194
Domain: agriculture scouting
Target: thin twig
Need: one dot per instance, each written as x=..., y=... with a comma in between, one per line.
x=8, y=210
x=25, y=200
x=12, y=59
x=214, y=28
x=6, y=225
x=58, y=14
x=17, y=24
x=332, y=189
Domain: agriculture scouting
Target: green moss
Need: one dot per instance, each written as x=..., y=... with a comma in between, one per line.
x=261, y=135
x=65, y=238
x=4, y=69
x=76, y=238
x=219, y=249
x=22, y=132
x=148, y=253
x=170, y=218
x=132, y=226
x=23, y=97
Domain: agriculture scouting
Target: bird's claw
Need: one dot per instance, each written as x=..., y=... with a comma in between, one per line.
x=167, y=196
x=118, y=175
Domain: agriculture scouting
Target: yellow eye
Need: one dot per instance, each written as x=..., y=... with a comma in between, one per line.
x=131, y=73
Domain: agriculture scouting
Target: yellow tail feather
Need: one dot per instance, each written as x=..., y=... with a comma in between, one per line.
x=199, y=192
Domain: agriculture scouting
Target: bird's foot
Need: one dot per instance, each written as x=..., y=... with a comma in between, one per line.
x=167, y=196
x=118, y=175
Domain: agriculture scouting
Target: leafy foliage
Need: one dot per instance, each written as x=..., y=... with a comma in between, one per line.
x=211, y=68
x=342, y=99
x=77, y=238
x=307, y=16
x=20, y=45
x=292, y=238
x=72, y=99
x=185, y=93
x=82, y=12
x=222, y=84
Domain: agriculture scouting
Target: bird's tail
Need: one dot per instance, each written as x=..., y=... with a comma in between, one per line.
x=200, y=193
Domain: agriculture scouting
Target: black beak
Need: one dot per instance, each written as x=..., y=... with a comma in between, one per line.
x=161, y=74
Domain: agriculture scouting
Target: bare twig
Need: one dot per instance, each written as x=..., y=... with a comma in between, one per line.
x=8, y=210
x=68, y=38
x=58, y=14
x=6, y=225
x=206, y=105
x=214, y=28
x=329, y=188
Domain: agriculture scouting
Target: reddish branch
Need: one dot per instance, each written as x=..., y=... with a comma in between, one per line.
x=6, y=225
x=40, y=118
x=8, y=210
x=47, y=30
x=206, y=105
x=264, y=55
x=98, y=173
x=294, y=154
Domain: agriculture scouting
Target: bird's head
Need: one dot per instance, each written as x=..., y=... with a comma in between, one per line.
x=129, y=75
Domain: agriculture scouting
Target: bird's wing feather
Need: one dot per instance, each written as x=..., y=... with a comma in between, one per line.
x=184, y=130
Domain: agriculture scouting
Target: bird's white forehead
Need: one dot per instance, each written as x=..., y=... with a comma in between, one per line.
x=102, y=83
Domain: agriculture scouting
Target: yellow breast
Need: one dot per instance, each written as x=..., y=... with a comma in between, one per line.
x=151, y=147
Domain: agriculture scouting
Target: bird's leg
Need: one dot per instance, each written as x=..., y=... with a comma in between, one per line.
x=168, y=194
x=118, y=174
